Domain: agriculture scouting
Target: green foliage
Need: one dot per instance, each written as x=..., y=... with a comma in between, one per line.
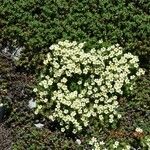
x=145, y=142
x=41, y=139
x=5, y=138
x=36, y=24
x=140, y=103
x=135, y=108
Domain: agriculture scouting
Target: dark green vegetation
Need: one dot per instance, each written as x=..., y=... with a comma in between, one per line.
x=5, y=138
x=36, y=24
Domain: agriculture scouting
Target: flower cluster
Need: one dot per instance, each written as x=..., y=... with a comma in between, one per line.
x=76, y=86
x=111, y=146
x=139, y=130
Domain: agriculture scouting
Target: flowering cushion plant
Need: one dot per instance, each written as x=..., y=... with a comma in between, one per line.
x=76, y=86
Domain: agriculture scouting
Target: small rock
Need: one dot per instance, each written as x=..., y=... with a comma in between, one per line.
x=39, y=125
x=78, y=141
x=32, y=104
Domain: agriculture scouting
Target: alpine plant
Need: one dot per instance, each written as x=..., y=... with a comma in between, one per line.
x=76, y=86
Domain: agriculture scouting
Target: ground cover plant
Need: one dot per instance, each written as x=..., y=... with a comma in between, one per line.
x=40, y=71
x=36, y=24
x=78, y=88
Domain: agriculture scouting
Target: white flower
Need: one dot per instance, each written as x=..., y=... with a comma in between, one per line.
x=50, y=81
x=66, y=111
x=1, y=104
x=128, y=147
x=62, y=129
x=111, y=120
x=116, y=144
x=139, y=130
x=36, y=111
x=101, y=117
x=119, y=116
x=51, y=47
x=100, y=41
x=35, y=90
x=94, y=139
x=74, y=131
x=132, y=77
x=73, y=113
x=81, y=45
x=45, y=62
x=51, y=117
x=79, y=82
x=102, y=143
x=64, y=80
